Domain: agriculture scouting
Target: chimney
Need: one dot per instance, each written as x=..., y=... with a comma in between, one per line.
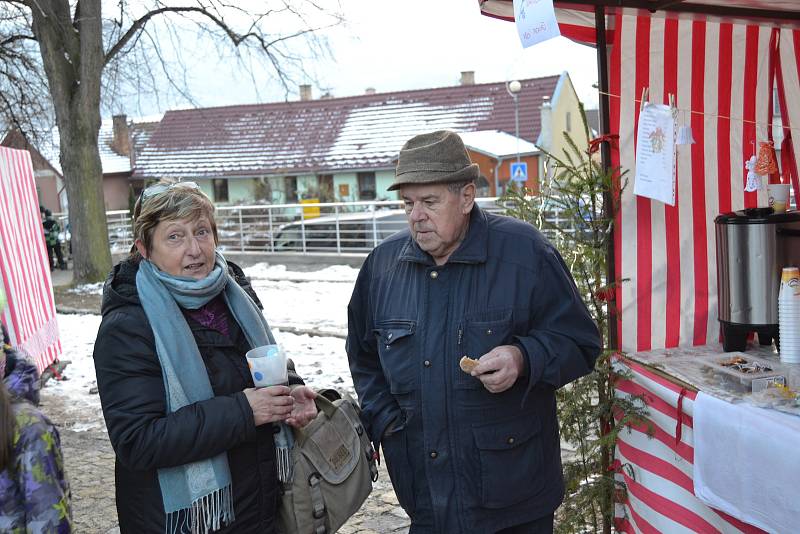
x=121, y=140
x=305, y=92
x=467, y=77
x=369, y=91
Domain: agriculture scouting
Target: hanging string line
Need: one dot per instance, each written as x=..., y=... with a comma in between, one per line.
x=714, y=115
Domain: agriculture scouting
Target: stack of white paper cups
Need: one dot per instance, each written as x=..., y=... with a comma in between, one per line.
x=789, y=315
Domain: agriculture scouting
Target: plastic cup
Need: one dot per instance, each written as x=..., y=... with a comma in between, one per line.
x=268, y=366
x=778, y=197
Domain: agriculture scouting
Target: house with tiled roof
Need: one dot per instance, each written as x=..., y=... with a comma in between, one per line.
x=345, y=149
x=119, y=139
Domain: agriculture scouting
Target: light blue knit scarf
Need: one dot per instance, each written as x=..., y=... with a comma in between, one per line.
x=196, y=495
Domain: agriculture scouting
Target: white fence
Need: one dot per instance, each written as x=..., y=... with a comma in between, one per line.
x=337, y=227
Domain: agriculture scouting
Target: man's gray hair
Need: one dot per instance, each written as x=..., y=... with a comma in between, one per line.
x=456, y=187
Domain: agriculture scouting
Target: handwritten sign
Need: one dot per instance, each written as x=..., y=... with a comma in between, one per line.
x=655, y=154
x=536, y=21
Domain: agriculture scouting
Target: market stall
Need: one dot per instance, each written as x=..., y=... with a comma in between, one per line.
x=729, y=69
x=30, y=315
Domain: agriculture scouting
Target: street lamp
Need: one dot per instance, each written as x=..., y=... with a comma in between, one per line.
x=514, y=87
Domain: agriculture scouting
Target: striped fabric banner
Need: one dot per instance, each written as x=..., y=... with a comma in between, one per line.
x=31, y=314
x=658, y=471
x=721, y=72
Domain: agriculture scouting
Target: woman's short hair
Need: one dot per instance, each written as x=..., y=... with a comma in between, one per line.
x=173, y=203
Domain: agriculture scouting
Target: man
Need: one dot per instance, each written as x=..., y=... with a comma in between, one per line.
x=51, y=231
x=470, y=452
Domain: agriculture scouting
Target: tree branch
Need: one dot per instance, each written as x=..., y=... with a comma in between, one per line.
x=142, y=21
x=15, y=38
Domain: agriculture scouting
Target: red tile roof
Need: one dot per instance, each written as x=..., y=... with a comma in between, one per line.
x=329, y=135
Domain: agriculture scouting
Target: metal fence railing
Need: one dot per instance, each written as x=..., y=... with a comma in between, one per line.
x=336, y=227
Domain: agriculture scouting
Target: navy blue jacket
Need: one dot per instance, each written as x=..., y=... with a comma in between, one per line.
x=478, y=461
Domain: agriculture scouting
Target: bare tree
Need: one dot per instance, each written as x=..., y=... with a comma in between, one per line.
x=81, y=57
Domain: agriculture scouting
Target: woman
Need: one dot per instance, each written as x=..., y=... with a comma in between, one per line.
x=34, y=494
x=195, y=443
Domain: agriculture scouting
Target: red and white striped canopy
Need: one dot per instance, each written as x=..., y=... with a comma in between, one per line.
x=31, y=314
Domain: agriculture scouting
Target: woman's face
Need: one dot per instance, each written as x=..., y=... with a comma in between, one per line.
x=182, y=247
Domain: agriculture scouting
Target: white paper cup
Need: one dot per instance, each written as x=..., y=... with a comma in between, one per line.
x=268, y=366
x=778, y=197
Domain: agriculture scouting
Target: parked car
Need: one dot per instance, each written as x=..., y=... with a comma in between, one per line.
x=347, y=232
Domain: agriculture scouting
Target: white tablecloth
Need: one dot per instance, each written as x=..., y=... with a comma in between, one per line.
x=747, y=463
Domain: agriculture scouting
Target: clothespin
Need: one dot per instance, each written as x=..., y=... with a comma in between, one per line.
x=645, y=96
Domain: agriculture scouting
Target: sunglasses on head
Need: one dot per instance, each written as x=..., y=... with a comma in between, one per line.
x=156, y=189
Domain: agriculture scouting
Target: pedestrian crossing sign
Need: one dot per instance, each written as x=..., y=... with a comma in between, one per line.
x=519, y=171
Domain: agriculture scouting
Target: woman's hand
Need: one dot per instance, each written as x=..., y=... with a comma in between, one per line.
x=270, y=404
x=304, y=409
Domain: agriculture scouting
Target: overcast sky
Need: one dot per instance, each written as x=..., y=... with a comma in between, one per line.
x=409, y=44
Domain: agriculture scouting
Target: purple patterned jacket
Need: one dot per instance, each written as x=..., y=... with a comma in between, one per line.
x=34, y=493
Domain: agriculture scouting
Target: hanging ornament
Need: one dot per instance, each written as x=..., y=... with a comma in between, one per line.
x=753, y=178
x=685, y=136
x=767, y=161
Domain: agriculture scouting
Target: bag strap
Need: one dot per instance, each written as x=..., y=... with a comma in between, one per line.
x=318, y=510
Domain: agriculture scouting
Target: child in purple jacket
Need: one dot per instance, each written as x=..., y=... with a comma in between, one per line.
x=34, y=493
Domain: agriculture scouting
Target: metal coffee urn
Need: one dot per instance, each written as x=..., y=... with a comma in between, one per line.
x=753, y=245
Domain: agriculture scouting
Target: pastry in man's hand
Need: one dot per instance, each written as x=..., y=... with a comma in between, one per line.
x=467, y=364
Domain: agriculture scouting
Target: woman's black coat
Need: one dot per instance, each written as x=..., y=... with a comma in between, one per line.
x=146, y=438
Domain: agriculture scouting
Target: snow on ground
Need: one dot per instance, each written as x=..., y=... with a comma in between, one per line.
x=334, y=273
x=88, y=289
x=300, y=300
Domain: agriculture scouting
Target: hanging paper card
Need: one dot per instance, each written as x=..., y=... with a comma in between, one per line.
x=536, y=21
x=655, y=154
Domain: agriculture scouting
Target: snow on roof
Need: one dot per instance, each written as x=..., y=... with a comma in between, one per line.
x=327, y=135
x=112, y=163
x=497, y=144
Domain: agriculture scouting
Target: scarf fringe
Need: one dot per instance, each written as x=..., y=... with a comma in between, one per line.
x=283, y=457
x=206, y=514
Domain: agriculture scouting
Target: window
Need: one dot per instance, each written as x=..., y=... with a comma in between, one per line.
x=220, y=189
x=290, y=188
x=366, y=186
x=569, y=121
x=326, y=188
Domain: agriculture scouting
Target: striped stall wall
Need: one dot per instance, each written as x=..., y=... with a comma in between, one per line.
x=722, y=73
x=31, y=314
x=657, y=470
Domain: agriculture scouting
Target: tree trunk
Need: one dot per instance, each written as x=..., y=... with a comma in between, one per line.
x=72, y=53
x=80, y=161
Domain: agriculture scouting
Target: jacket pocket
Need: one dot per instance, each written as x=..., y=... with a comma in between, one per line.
x=396, y=349
x=510, y=455
x=478, y=334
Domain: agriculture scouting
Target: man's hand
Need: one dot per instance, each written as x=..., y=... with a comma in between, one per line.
x=270, y=404
x=499, y=368
x=305, y=409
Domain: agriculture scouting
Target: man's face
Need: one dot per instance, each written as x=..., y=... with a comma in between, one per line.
x=437, y=217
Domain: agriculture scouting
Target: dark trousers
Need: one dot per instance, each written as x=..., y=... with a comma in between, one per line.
x=59, y=256
x=542, y=525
